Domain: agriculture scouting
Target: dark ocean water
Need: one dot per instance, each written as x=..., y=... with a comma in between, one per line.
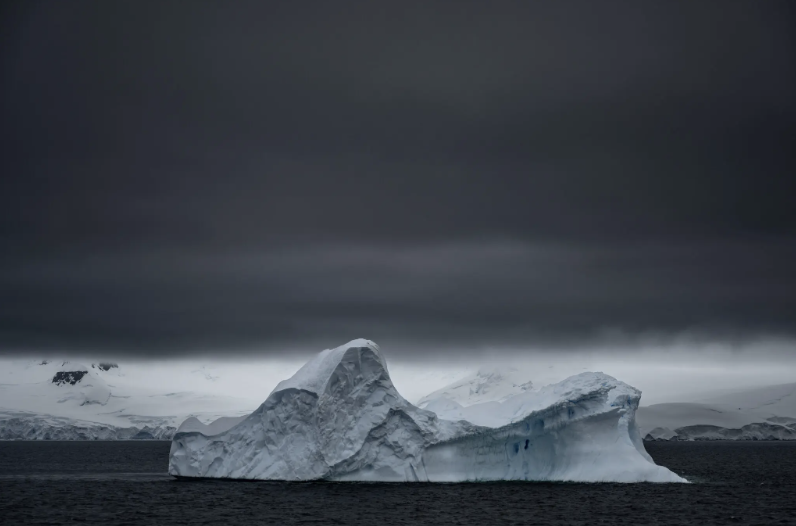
x=126, y=483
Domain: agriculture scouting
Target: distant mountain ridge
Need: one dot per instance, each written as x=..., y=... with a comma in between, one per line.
x=488, y=384
x=69, y=400
x=764, y=413
x=106, y=400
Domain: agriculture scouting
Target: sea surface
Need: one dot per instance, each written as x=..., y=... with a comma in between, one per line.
x=126, y=483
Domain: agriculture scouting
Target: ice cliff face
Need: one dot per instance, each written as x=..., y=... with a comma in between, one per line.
x=756, y=431
x=340, y=418
x=338, y=415
x=581, y=429
x=24, y=425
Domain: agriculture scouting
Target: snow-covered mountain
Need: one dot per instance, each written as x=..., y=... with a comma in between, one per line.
x=70, y=400
x=90, y=399
x=765, y=413
x=340, y=418
x=151, y=395
x=493, y=384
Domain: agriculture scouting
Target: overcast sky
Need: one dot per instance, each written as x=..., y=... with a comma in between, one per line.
x=185, y=178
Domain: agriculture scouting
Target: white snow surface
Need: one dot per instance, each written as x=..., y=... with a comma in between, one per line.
x=316, y=373
x=92, y=403
x=513, y=408
x=772, y=400
x=765, y=413
x=488, y=384
x=340, y=418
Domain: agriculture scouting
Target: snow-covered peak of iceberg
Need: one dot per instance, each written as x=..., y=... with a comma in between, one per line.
x=315, y=374
x=513, y=407
x=572, y=388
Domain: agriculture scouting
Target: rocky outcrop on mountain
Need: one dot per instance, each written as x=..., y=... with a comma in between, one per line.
x=68, y=377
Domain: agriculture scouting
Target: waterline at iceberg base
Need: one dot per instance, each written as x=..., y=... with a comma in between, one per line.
x=340, y=418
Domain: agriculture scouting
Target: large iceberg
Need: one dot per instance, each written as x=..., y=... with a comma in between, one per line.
x=340, y=418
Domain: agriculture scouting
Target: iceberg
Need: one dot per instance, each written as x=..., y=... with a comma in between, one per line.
x=340, y=418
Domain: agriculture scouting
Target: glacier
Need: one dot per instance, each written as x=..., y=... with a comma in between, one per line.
x=761, y=413
x=340, y=418
x=25, y=425
x=767, y=431
x=84, y=400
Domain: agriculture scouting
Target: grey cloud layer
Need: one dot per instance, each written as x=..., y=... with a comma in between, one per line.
x=246, y=125
x=462, y=297
x=261, y=174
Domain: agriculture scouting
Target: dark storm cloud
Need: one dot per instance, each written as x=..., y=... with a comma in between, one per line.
x=466, y=297
x=185, y=175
